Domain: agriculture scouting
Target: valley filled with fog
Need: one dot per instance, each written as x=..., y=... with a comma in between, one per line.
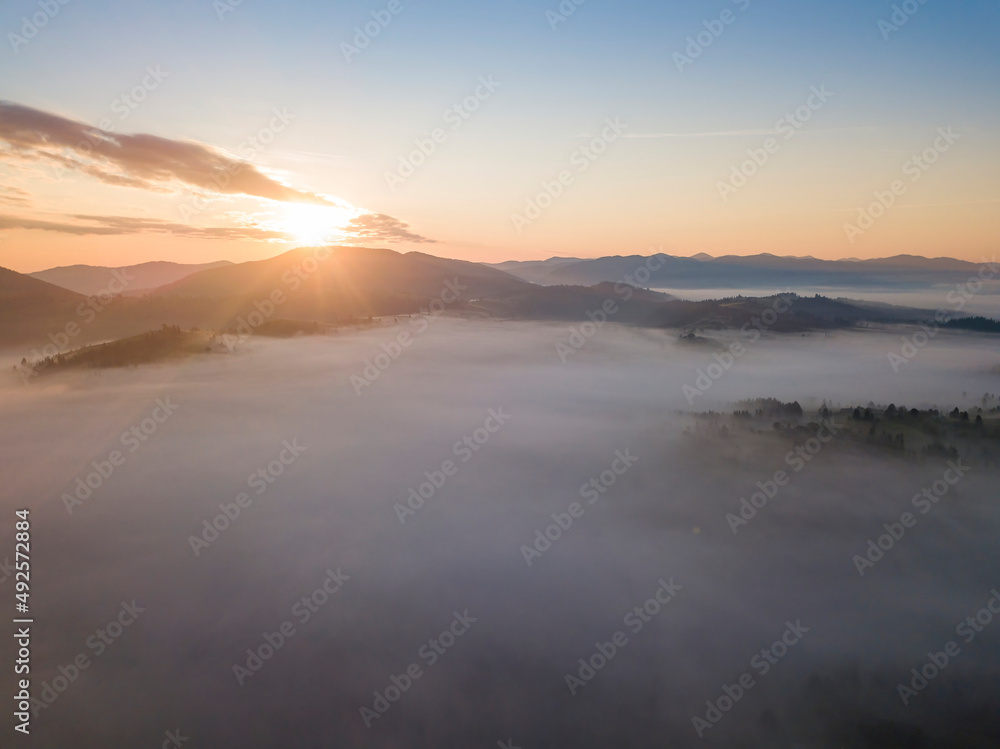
x=986, y=301
x=313, y=450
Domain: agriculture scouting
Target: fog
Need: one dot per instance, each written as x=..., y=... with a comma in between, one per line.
x=357, y=455
x=984, y=301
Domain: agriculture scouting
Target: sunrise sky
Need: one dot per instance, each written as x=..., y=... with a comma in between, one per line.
x=515, y=90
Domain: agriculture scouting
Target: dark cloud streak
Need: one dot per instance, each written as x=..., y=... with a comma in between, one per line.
x=143, y=161
x=383, y=228
x=14, y=195
x=119, y=225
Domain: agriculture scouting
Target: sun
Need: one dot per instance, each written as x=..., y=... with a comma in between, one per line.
x=315, y=224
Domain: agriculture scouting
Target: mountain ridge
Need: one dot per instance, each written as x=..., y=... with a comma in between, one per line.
x=96, y=279
x=336, y=284
x=763, y=270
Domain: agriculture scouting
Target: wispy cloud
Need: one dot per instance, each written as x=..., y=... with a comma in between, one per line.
x=958, y=204
x=739, y=133
x=719, y=134
x=117, y=225
x=369, y=228
x=381, y=228
x=309, y=157
x=141, y=161
x=14, y=196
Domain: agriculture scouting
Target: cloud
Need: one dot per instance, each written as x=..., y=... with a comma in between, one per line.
x=380, y=227
x=373, y=227
x=739, y=133
x=14, y=196
x=142, y=161
x=149, y=162
x=723, y=134
x=119, y=225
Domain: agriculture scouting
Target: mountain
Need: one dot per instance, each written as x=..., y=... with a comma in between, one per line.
x=30, y=309
x=340, y=284
x=350, y=281
x=753, y=271
x=917, y=261
x=17, y=289
x=95, y=279
x=518, y=267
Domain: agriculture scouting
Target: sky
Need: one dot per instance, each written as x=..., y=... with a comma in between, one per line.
x=197, y=131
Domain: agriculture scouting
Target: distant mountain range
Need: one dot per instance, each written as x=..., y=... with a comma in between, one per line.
x=94, y=279
x=337, y=284
x=750, y=272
